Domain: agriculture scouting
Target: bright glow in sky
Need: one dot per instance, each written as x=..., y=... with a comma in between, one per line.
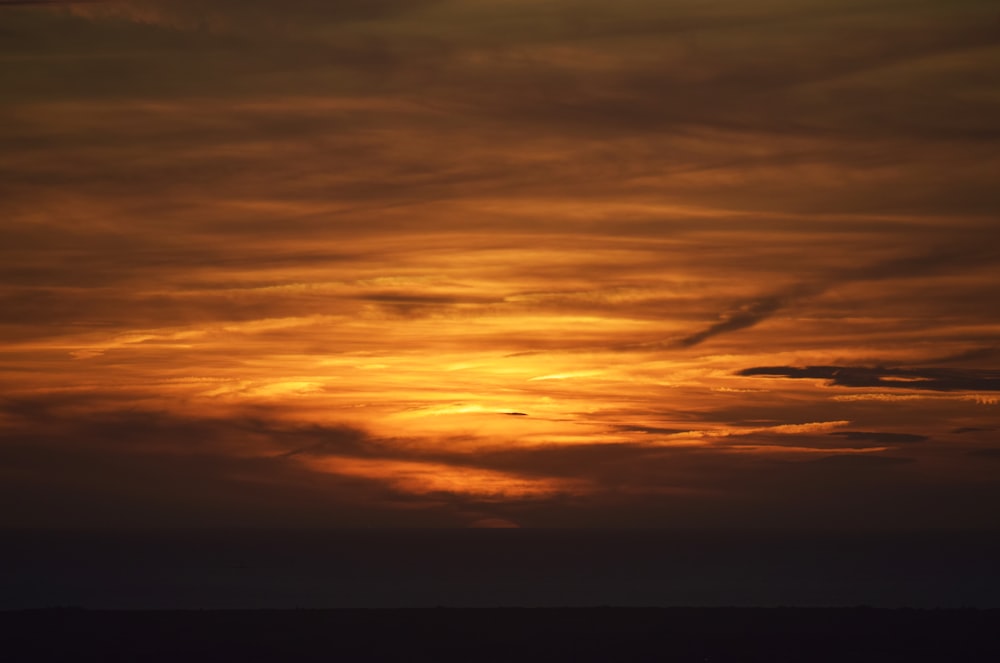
x=446, y=262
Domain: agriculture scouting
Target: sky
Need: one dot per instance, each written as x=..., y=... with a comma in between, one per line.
x=500, y=263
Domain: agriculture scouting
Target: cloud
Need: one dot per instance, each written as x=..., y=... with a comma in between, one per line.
x=777, y=429
x=250, y=221
x=242, y=14
x=451, y=479
x=133, y=468
x=652, y=430
x=989, y=454
x=494, y=523
x=746, y=316
x=91, y=461
x=967, y=254
x=49, y=2
x=861, y=461
x=750, y=314
x=65, y=455
x=921, y=379
x=881, y=438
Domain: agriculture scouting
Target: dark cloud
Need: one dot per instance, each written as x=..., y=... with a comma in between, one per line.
x=831, y=441
x=970, y=355
x=969, y=254
x=653, y=430
x=143, y=469
x=751, y=314
x=229, y=14
x=109, y=421
x=860, y=461
x=91, y=461
x=709, y=487
x=923, y=379
x=87, y=461
x=989, y=454
x=746, y=316
x=881, y=438
x=965, y=253
x=786, y=66
x=49, y=2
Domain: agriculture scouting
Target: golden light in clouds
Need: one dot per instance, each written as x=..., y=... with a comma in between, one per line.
x=430, y=478
x=524, y=263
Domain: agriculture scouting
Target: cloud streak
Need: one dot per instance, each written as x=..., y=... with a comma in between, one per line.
x=919, y=379
x=970, y=255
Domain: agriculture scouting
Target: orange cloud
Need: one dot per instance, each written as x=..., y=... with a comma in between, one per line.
x=423, y=478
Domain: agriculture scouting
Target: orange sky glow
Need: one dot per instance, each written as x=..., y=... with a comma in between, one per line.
x=500, y=263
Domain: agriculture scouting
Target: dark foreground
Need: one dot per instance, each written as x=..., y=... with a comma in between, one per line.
x=717, y=635
x=294, y=569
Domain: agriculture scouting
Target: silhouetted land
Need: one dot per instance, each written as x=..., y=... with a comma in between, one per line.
x=271, y=595
x=812, y=635
x=274, y=569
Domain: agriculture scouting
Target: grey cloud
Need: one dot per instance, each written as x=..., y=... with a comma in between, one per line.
x=746, y=316
x=963, y=252
x=459, y=60
x=988, y=454
x=108, y=424
x=881, y=438
x=407, y=302
x=88, y=460
x=260, y=14
x=966, y=254
x=653, y=430
x=923, y=379
x=48, y=2
x=522, y=97
x=970, y=355
x=646, y=95
x=120, y=465
x=133, y=468
x=699, y=487
x=860, y=461
x=851, y=440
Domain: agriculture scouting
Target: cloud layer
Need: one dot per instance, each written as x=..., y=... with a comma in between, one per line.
x=724, y=262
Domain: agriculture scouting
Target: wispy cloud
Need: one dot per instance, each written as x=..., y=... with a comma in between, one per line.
x=920, y=379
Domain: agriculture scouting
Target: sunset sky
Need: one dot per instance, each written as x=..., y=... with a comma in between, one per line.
x=500, y=263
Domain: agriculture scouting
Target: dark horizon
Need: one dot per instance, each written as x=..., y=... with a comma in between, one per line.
x=488, y=568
